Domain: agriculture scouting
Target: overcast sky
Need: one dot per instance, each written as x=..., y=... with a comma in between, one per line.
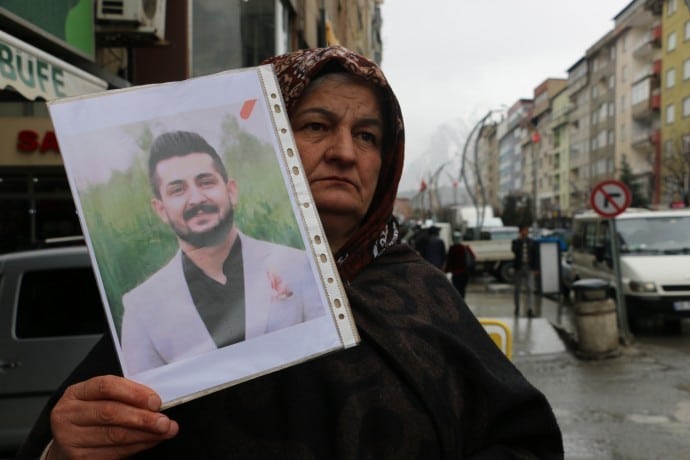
x=450, y=61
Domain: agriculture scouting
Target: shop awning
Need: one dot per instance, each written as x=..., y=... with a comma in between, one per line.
x=37, y=74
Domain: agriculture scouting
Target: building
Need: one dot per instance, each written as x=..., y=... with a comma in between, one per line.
x=56, y=48
x=674, y=162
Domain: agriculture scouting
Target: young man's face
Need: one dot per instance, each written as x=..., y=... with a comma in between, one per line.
x=524, y=232
x=194, y=199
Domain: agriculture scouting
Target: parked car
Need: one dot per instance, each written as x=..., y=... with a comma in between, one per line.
x=654, y=256
x=492, y=250
x=50, y=317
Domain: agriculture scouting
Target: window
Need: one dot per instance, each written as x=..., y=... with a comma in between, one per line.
x=686, y=107
x=672, y=6
x=35, y=206
x=612, y=109
x=670, y=114
x=624, y=73
x=610, y=137
x=686, y=69
x=612, y=81
x=670, y=78
x=602, y=139
x=686, y=36
x=623, y=106
x=622, y=132
x=671, y=42
x=640, y=91
x=59, y=302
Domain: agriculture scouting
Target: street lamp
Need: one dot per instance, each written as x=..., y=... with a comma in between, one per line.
x=476, y=130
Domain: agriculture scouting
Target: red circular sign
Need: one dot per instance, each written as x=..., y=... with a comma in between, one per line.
x=610, y=198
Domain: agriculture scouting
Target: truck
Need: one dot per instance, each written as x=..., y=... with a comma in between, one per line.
x=492, y=250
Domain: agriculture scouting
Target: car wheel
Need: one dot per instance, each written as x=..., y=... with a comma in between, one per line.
x=506, y=272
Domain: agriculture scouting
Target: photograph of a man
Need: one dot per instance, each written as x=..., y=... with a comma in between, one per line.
x=222, y=286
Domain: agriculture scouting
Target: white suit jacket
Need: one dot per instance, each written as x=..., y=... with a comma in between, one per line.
x=161, y=323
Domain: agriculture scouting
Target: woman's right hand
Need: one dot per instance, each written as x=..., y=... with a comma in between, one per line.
x=107, y=417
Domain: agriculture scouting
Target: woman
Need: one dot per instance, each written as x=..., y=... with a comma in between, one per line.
x=425, y=382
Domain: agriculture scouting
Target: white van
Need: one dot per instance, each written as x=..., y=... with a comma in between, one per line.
x=654, y=260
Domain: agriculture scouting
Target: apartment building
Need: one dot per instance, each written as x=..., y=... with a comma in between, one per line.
x=674, y=162
x=512, y=160
x=638, y=33
x=560, y=153
x=545, y=170
x=578, y=117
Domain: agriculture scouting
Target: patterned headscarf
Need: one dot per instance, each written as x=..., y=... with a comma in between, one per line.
x=378, y=230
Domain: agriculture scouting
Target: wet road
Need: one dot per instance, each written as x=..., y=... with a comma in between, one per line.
x=633, y=406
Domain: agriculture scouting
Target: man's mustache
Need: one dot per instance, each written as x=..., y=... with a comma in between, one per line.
x=203, y=208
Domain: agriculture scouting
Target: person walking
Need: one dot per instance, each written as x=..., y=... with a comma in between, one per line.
x=459, y=263
x=434, y=249
x=526, y=266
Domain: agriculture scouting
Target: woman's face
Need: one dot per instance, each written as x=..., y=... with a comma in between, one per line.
x=338, y=128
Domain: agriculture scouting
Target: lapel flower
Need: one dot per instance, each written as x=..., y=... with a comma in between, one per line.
x=280, y=290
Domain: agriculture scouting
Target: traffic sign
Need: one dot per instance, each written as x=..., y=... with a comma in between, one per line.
x=610, y=198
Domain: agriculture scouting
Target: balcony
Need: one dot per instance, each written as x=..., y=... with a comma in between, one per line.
x=655, y=100
x=656, y=68
x=648, y=108
x=648, y=43
x=645, y=140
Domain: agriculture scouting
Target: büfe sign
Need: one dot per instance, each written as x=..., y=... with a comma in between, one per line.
x=206, y=243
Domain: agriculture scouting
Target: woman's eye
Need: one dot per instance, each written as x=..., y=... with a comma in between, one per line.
x=368, y=137
x=315, y=127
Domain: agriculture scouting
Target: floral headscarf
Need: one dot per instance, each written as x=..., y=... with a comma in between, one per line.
x=378, y=230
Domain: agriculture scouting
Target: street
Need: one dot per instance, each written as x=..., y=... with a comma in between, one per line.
x=632, y=406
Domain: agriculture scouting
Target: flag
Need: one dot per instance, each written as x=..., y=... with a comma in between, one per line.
x=422, y=186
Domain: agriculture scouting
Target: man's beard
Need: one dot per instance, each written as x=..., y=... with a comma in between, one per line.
x=211, y=237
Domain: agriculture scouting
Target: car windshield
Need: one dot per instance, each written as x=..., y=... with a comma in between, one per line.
x=668, y=235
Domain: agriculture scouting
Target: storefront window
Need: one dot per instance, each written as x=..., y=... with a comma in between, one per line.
x=250, y=31
x=35, y=206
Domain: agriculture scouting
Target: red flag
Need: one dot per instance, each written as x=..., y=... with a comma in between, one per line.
x=536, y=137
x=422, y=187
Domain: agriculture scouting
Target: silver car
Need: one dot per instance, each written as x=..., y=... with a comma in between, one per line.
x=50, y=317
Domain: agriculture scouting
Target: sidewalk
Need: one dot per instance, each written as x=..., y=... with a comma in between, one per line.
x=550, y=331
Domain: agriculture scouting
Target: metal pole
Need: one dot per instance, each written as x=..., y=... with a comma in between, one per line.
x=624, y=331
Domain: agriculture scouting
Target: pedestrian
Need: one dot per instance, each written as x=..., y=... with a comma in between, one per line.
x=434, y=248
x=526, y=264
x=459, y=263
x=426, y=381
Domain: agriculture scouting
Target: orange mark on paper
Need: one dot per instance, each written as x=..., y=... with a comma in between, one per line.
x=247, y=108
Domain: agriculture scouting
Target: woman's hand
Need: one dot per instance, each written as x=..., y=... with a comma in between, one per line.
x=107, y=417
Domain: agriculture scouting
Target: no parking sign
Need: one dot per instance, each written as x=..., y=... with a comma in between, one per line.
x=610, y=198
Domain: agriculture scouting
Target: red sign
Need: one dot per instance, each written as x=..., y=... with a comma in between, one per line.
x=610, y=198
x=30, y=141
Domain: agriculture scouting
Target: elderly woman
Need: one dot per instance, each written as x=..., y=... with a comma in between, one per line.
x=425, y=382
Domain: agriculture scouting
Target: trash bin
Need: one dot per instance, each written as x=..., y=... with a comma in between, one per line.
x=596, y=320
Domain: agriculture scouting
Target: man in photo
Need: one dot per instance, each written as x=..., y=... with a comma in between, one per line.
x=221, y=287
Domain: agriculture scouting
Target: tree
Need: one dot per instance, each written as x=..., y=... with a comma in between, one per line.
x=517, y=209
x=638, y=198
x=676, y=166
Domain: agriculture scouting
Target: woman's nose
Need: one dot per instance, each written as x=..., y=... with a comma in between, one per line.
x=342, y=147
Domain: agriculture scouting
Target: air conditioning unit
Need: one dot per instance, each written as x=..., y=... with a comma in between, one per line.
x=141, y=17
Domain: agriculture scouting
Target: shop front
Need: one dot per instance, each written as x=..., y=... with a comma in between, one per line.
x=35, y=199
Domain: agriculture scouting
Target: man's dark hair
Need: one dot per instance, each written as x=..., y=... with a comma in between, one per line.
x=179, y=144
